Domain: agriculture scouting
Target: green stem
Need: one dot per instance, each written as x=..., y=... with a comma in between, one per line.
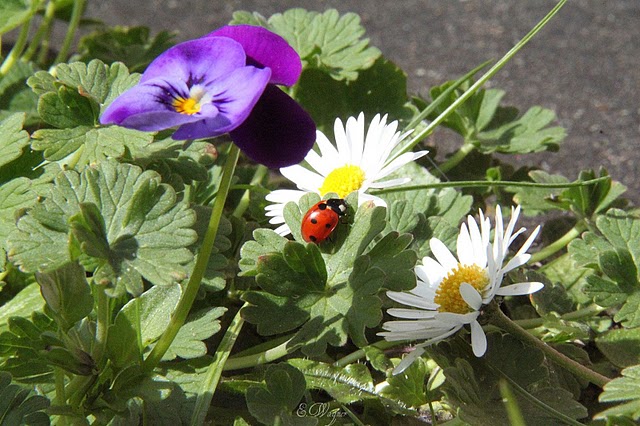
x=484, y=183
x=560, y=243
x=191, y=289
x=492, y=71
x=60, y=398
x=212, y=378
x=588, y=312
x=498, y=318
x=43, y=30
x=269, y=355
x=74, y=23
x=511, y=404
x=360, y=353
x=16, y=50
x=243, y=204
x=456, y=158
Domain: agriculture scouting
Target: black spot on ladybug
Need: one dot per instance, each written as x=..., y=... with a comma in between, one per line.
x=314, y=221
x=327, y=225
x=312, y=238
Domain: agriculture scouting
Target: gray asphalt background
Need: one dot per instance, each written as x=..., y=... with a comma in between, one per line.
x=585, y=64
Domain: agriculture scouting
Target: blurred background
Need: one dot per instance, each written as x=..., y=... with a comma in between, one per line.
x=585, y=64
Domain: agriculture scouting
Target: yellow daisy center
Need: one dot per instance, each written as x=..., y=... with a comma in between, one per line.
x=448, y=293
x=187, y=106
x=343, y=180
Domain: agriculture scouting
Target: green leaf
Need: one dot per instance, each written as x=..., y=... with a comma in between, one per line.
x=23, y=349
x=189, y=342
x=15, y=12
x=23, y=304
x=67, y=293
x=140, y=322
x=67, y=108
x=345, y=384
x=273, y=402
x=410, y=387
x=620, y=346
x=616, y=254
x=16, y=96
x=13, y=138
x=148, y=232
x=19, y=407
x=383, y=87
x=326, y=41
x=625, y=388
x=15, y=195
x=426, y=213
x=594, y=198
x=491, y=128
x=88, y=144
x=131, y=45
x=535, y=201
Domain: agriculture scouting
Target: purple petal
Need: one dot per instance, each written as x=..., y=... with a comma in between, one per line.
x=147, y=107
x=196, y=61
x=234, y=96
x=278, y=133
x=266, y=49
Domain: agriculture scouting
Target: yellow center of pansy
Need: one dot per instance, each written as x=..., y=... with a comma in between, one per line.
x=187, y=106
x=448, y=293
x=192, y=104
x=343, y=180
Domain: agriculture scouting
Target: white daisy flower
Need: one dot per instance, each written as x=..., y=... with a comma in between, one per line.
x=450, y=292
x=358, y=162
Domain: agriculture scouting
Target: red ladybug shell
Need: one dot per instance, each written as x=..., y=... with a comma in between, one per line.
x=322, y=219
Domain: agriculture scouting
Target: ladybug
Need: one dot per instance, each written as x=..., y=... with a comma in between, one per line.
x=322, y=219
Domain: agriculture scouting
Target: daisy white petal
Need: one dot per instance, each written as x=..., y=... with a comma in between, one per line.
x=520, y=289
x=471, y=296
x=409, y=359
x=442, y=254
x=478, y=339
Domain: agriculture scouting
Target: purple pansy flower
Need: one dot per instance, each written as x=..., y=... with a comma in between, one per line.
x=223, y=83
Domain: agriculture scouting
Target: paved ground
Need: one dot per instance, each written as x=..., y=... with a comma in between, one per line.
x=585, y=64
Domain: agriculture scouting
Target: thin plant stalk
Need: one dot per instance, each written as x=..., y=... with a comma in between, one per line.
x=16, y=50
x=74, y=23
x=191, y=289
x=212, y=377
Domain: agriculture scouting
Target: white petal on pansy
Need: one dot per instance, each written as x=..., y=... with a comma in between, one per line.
x=478, y=339
x=471, y=296
x=442, y=254
x=520, y=289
